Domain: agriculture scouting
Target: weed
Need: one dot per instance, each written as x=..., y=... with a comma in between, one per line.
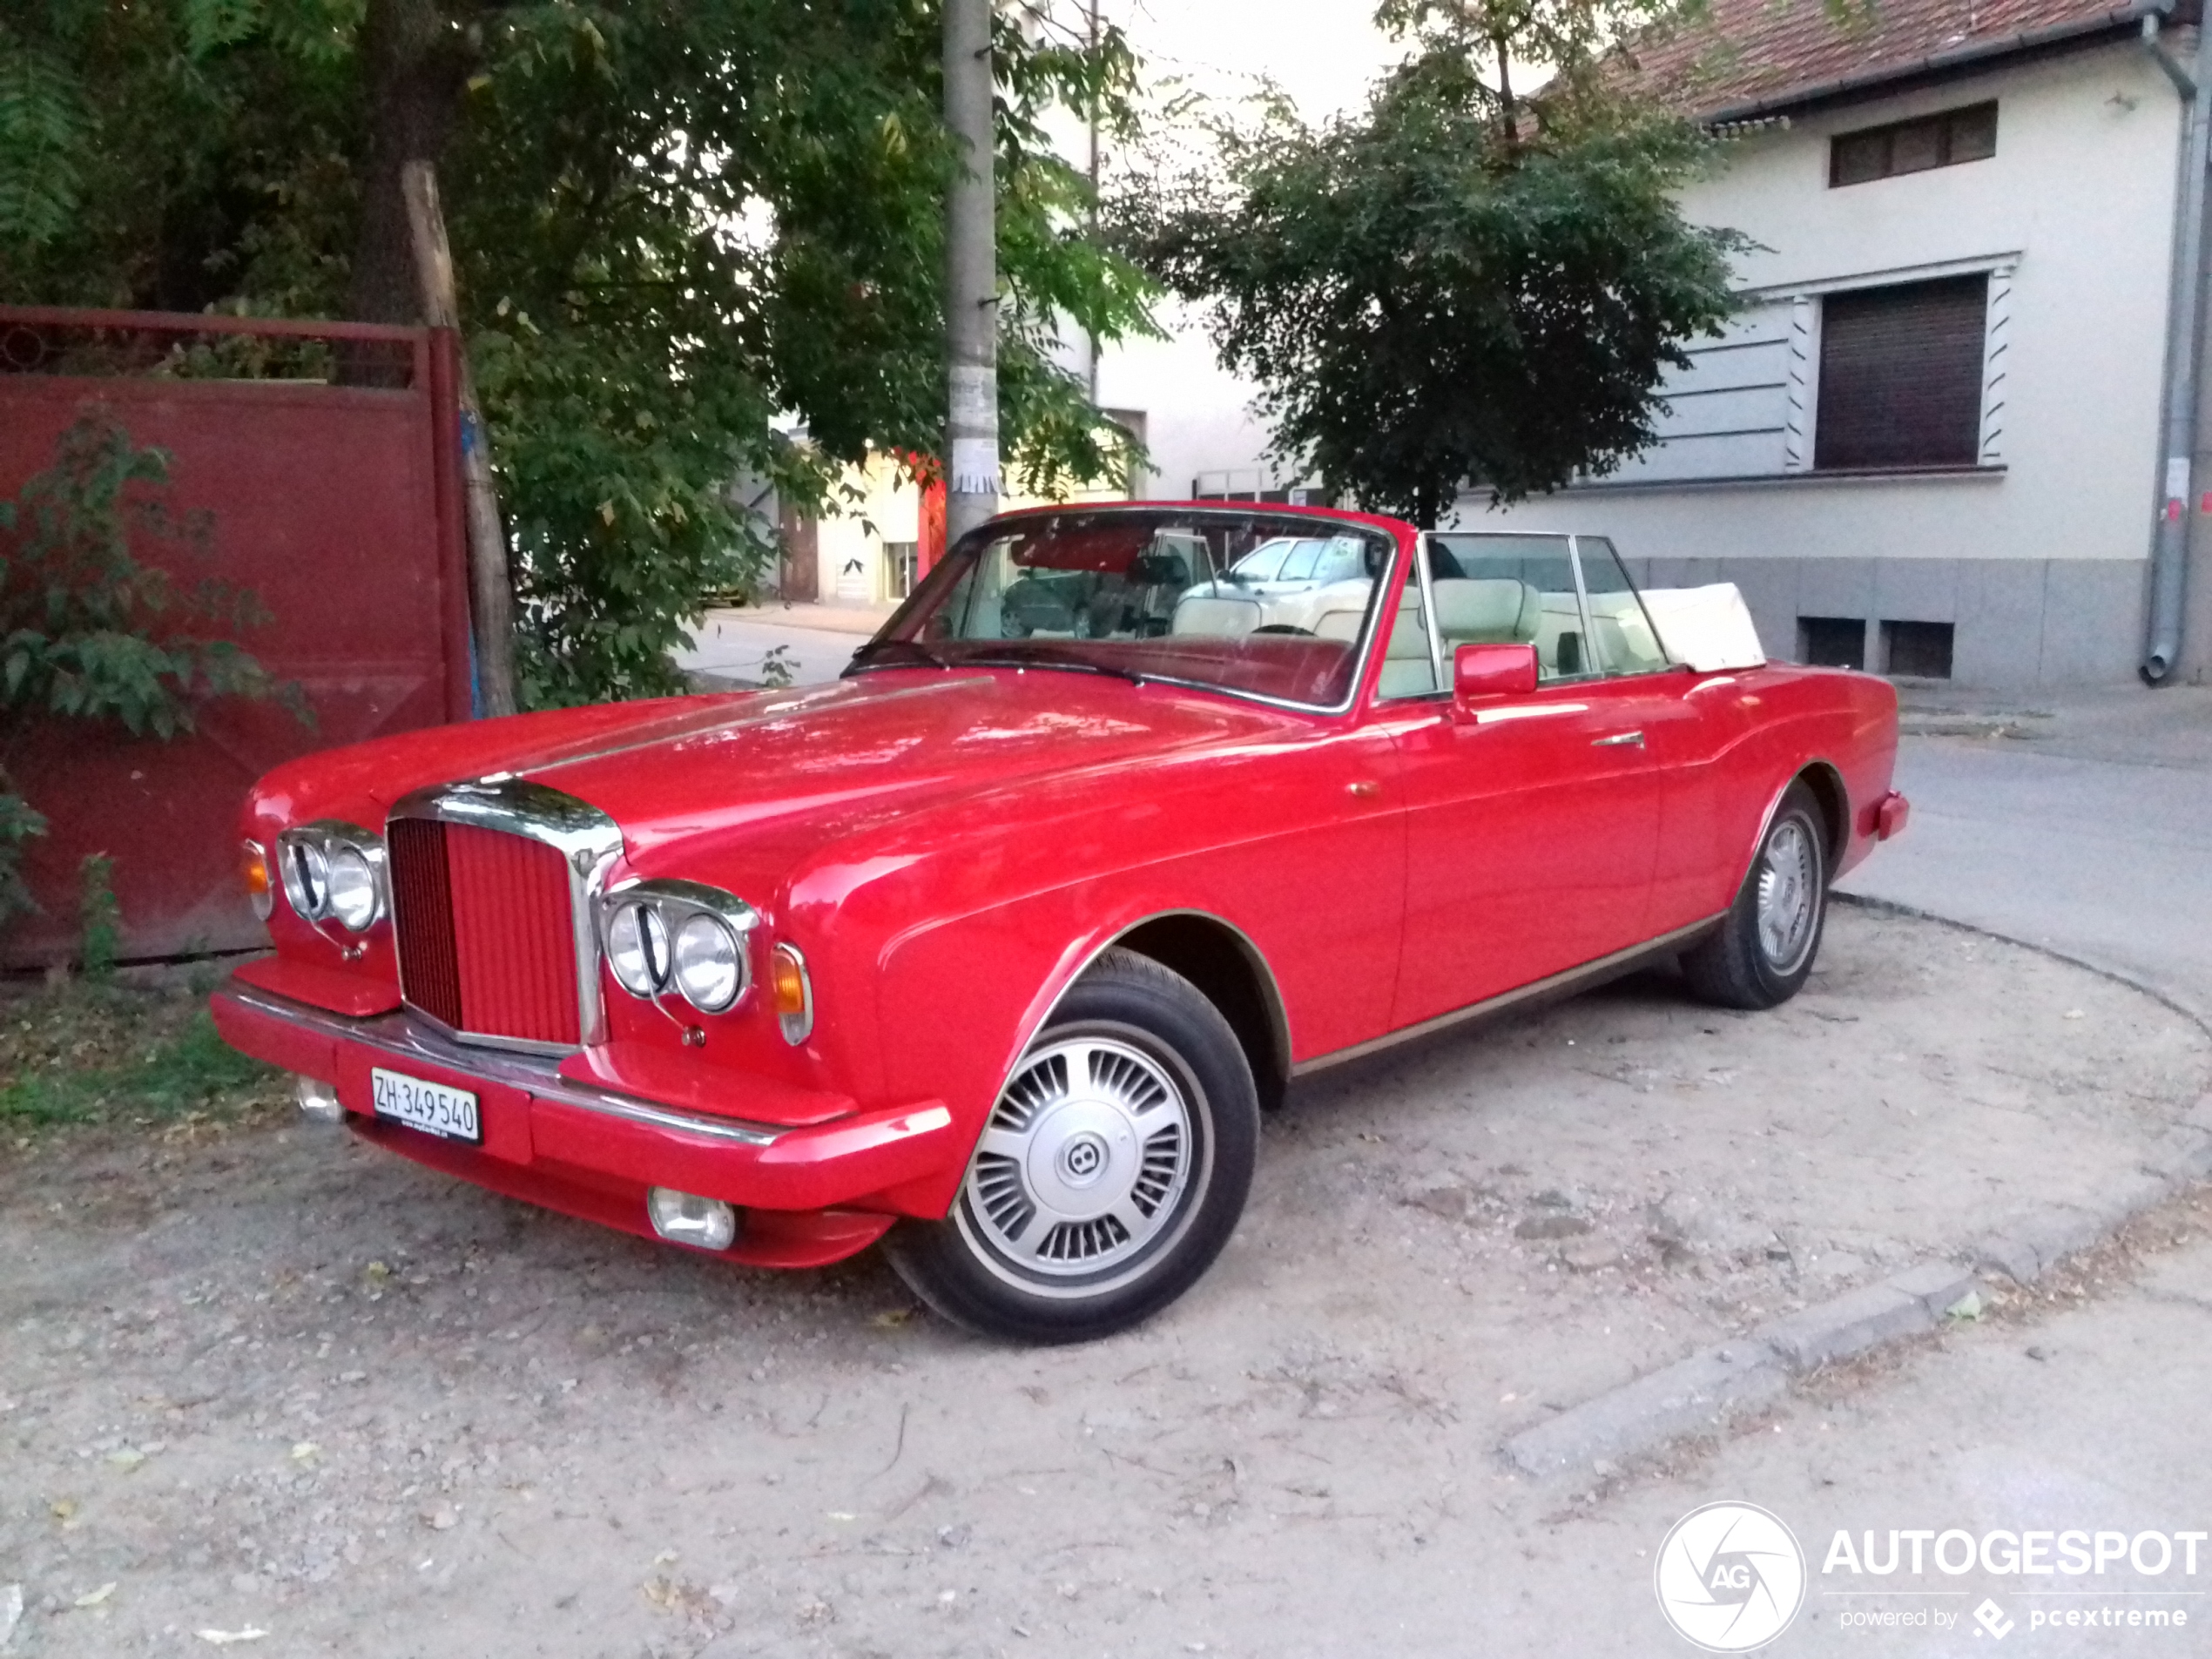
x=92, y=1053
x=99, y=918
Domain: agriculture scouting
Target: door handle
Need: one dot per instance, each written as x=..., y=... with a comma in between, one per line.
x=1364, y=789
x=1619, y=739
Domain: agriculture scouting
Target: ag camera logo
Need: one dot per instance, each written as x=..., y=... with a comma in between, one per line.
x=1730, y=1577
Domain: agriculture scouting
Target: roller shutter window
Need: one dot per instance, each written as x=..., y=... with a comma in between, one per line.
x=1900, y=375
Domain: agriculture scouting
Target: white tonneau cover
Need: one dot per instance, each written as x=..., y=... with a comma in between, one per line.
x=1709, y=628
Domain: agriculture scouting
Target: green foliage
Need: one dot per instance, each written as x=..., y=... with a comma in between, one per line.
x=87, y=632
x=20, y=823
x=776, y=670
x=88, y=1054
x=42, y=137
x=1457, y=284
x=678, y=225
x=99, y=919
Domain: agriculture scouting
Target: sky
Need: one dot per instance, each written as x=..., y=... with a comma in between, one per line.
x=1324, y=53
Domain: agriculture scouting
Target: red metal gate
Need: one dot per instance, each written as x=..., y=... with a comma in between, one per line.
x=338, y=505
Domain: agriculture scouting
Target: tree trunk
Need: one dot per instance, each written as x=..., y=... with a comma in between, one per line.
x=416, y=61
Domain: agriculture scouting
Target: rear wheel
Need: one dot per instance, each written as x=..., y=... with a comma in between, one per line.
x=1112, y=1170
x=1762, y=953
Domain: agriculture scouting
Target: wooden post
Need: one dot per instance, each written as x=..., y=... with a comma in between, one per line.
x=491, y=596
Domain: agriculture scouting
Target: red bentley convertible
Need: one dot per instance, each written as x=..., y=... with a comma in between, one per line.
x=995, y=949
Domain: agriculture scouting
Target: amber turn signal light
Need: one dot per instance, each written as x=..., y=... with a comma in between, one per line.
x=260, y=885
x=792, y=991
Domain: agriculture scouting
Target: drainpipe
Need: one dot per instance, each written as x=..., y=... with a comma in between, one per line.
x=2184, y=353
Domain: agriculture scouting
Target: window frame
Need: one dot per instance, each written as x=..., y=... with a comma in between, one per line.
x=1823, y=421
x=1945, y=123
x=1442, y=670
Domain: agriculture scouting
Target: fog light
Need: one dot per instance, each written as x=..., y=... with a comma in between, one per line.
x=318, y=1100
x=686, y=1218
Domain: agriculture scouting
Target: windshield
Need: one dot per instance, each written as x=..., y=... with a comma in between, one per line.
x=1151, y=594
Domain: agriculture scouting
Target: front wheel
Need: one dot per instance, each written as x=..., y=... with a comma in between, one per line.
x=1112, y=1170
x=1762, y=953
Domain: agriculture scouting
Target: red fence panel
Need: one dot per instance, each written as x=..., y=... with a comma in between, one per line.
x=338, y=505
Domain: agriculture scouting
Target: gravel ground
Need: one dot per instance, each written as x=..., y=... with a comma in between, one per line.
x=260, y=1379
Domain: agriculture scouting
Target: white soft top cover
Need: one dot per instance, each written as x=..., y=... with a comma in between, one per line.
x=1709, y=628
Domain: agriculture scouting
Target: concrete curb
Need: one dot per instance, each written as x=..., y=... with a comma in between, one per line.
x=1700, y=1394
x=2166, y=996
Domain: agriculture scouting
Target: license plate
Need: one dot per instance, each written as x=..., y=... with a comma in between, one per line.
x=448, y=1113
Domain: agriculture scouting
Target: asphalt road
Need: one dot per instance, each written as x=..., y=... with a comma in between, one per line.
x=2105, y=856
x=733, y=645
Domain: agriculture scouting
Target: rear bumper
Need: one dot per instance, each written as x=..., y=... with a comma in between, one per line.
x=809, y=1195
x=1890, y=815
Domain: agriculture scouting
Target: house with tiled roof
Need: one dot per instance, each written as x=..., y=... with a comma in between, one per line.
x=1934, y=440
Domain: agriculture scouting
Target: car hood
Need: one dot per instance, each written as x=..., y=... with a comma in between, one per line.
x=892, y=740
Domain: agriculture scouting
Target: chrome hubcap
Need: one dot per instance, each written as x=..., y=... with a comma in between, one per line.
x=1084, y=1159
x=1789, y=895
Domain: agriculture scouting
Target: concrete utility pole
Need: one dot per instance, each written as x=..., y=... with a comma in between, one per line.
x=971, y=275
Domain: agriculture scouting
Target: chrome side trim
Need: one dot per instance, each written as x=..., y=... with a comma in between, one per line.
x=1278, y=1016
x=403, y=1036
x=1528, y=712
x=1831, y=856
x=588, y=840
x=1567, y=981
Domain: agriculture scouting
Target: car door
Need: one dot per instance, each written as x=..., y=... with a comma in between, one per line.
x=1532, y=823
x=1689, y=721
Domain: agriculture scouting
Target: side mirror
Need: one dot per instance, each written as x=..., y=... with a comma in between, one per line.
x=1480, y=671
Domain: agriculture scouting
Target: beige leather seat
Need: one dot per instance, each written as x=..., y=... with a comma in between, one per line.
x=1486, y=611
x=1407, y=670
x=1202, y=613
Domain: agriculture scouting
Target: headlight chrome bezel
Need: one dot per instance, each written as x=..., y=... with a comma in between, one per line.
x=305, y=855
x=660, y=911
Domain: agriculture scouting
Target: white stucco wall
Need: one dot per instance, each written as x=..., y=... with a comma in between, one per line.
x=2078, y=201
x=1197, y=415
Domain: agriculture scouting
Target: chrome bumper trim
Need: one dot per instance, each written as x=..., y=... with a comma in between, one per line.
x=1573, y=979
x=404, y=1035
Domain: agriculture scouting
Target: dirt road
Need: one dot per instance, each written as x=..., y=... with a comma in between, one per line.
x=272, y=1381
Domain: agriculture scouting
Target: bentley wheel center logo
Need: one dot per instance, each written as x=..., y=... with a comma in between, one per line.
x=1730, y=1577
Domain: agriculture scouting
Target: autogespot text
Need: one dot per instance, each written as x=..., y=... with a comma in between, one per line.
x=2112, y=1580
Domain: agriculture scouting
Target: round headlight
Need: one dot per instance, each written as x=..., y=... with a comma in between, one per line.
x=637, y=948
x=306, y=881
x=353, y=896
x=710, y=963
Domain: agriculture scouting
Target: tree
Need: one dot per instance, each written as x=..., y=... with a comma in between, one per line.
x=89, y=633
x=680, y=226
x=1464, y=282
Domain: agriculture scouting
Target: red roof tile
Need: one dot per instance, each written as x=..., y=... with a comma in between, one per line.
x=1747, y=56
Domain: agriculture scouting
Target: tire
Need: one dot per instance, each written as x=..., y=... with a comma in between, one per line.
x=1137, y=1094
x=1760, y=955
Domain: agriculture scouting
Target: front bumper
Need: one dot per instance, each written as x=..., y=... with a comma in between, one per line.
x=809, y=1193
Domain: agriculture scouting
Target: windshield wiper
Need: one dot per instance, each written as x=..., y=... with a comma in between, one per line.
x=914, y=645
x=1005, y=659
